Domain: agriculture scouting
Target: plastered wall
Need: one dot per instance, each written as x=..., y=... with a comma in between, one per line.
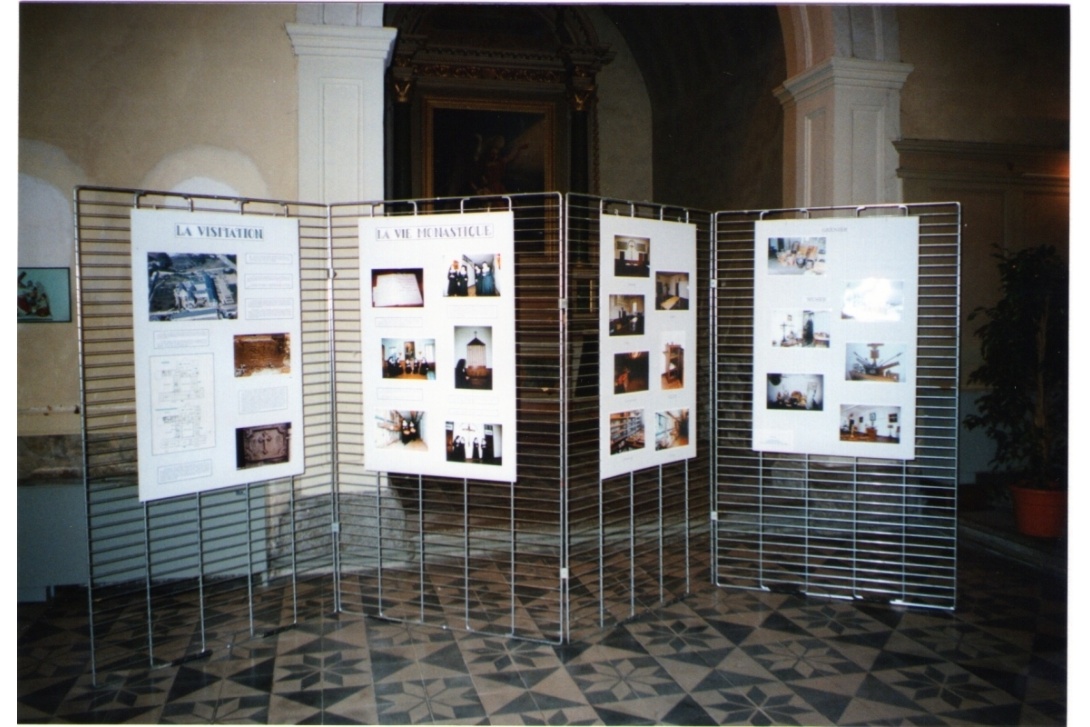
x=146, y=96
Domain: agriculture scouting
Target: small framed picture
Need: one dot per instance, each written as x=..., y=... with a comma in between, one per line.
x=43, y=295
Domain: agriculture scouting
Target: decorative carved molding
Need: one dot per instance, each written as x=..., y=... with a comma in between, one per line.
x=487, y=73
x=987, y=163
x=569, y=56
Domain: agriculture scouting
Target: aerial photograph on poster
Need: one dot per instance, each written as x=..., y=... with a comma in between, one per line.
x=192, y=286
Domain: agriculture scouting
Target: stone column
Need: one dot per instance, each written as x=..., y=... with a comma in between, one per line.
x=841, y=118
x=341, y=76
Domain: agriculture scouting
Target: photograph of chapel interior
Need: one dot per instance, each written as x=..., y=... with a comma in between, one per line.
x=485, y=610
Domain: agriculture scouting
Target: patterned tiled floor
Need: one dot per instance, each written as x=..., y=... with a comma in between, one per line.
x=716, y=657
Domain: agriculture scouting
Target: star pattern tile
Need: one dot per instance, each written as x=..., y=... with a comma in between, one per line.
x=716, y=656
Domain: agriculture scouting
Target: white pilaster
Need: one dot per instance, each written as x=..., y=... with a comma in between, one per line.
x=341, y=89
x=841, y=118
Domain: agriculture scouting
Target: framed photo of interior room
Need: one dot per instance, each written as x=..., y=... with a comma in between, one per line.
x=479, y=147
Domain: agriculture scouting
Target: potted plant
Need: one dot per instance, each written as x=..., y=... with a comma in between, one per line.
x=1024, y=346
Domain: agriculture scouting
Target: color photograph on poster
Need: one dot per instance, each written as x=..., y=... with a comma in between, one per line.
x=671, y=429
x=473, y=349
x=631, y=256
x=878, y=362
x=626, y=315
x=835, y=324
x=473, y=276
x=796, y=256
x=626, y=431
x=188, y=286
x=631, y=372
x=795, y=392
x=260, y=354
x=216, y=304
x=799, y=328
x=873, y=300
x=397, y=288
x=474, y=443
x=402, y=431
x=261, y=446
x=672, y=371
x=647, y=319
x=672, y=291
x=409, y=359
x=443, y=341
x=870, y=423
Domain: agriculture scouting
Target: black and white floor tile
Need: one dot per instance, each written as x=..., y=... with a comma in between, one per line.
x=718, y=656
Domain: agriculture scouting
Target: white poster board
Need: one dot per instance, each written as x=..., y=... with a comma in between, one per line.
x=438, y=315
x=834, y=336
x=216, y=327
x=647, y=344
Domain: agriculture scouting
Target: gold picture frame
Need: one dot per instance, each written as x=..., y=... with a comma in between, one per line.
x=481, y=147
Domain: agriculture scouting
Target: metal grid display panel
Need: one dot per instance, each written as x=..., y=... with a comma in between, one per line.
x=557, y=553
x=635, y=541
x=461, y=553
x=839, y=527
x=174, y=579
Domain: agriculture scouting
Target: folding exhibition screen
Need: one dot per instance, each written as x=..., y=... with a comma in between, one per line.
x=564, y=441
x=836, y=401
x=253, y=431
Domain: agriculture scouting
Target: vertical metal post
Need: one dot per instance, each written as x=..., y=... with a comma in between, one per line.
x=761, y=519
x=335, y=466
x=200, y=565
x=601, y=558
x=423, y=540
x=76, y=227
x=147, y=585
x=631, y=544
x=661, y=520
x=294, y=564
x=562, y=466
x=378, y=529
x=465, y=550
x=512, y=530
x=249, y=563
x=855, y=527
x=685, y=519
x=806, y=523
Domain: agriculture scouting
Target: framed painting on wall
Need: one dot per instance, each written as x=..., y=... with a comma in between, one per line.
x=483, y=148
x=43, y=295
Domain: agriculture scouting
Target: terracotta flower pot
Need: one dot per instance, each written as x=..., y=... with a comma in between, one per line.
x=1040, y=513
